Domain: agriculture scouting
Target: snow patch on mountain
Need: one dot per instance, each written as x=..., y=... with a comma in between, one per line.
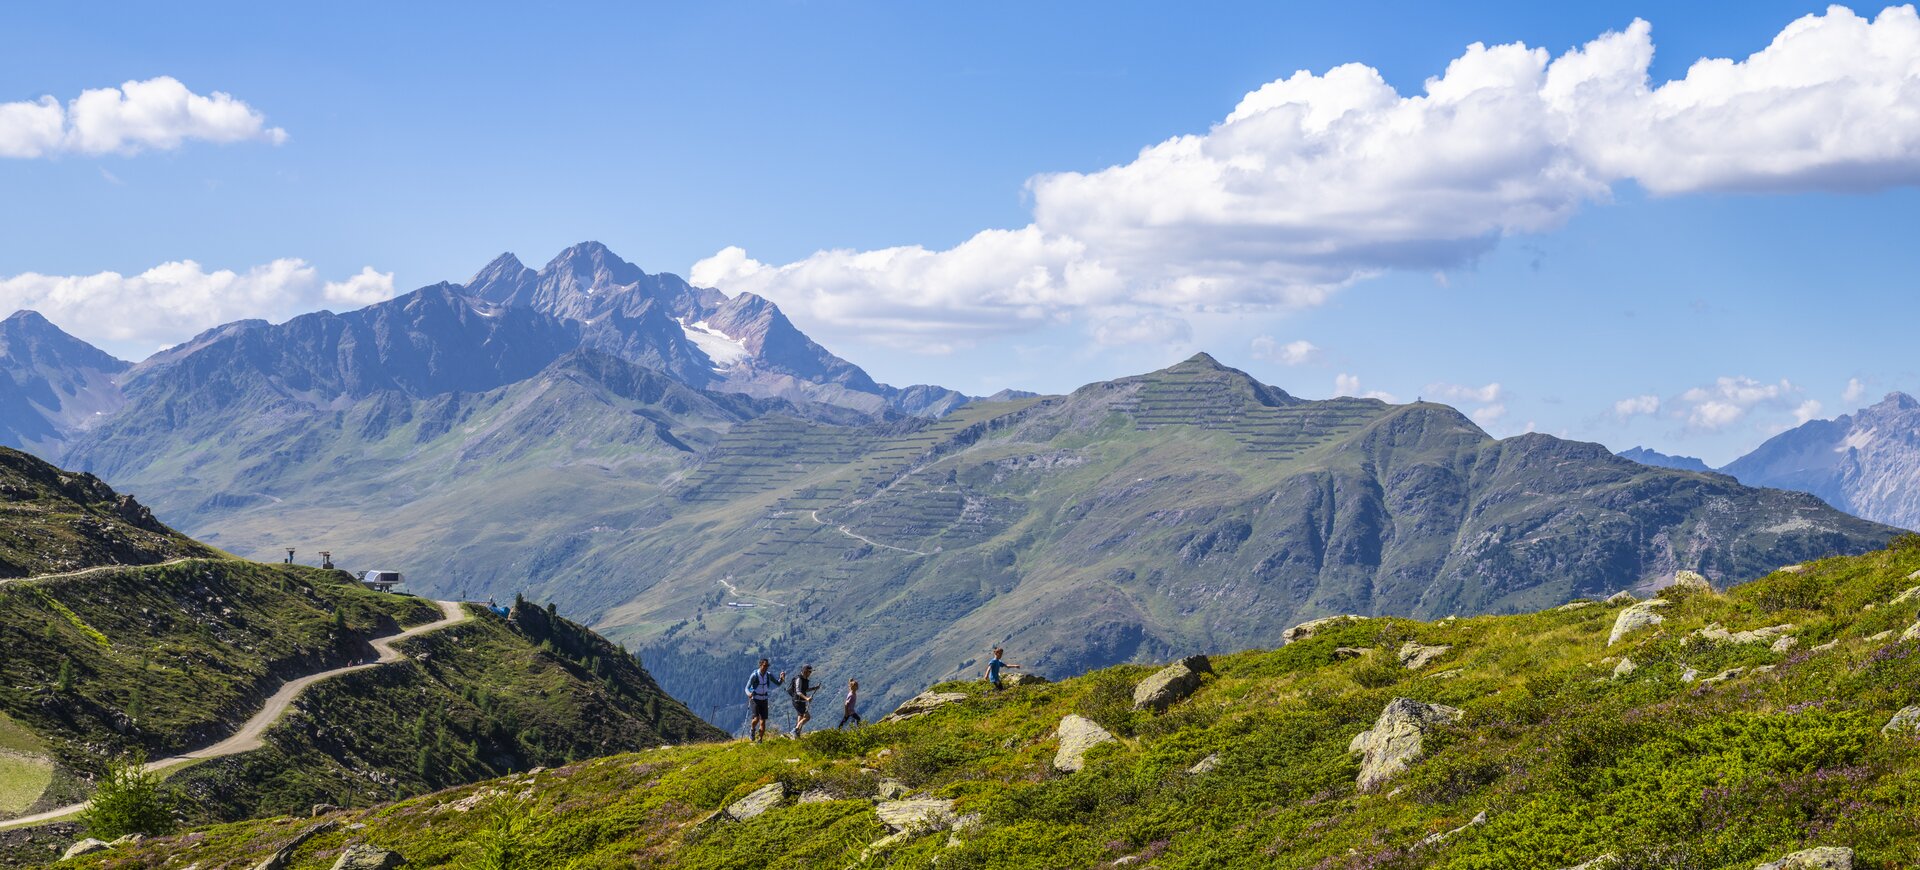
x=720, y=347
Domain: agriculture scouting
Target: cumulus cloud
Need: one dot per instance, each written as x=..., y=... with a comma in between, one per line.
x=1349, y=385
x=1458, y=393
x=1854, y=390
x=158, y=113
x=1314, y=181
x=1490, y=414
x=1635, y=406
x=1808, y=410
x=1293, y=353
x=137, y=313
x=1727, y=400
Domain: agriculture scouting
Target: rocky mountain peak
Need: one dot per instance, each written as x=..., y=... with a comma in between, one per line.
x=1896, y=401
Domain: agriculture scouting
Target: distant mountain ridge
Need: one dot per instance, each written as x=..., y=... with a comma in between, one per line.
x=51, y=383
x=1866, y=463
x=1647, y=456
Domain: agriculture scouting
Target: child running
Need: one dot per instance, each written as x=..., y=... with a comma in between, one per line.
x=853, y=698
x=996, y=666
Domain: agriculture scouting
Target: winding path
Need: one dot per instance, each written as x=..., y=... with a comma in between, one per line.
x=248, y=737
x=865, y=540
x=99, y=568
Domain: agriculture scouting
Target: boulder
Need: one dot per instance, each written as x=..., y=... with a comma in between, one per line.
x=321, y=810
x=1395, y=739
x=1170, y=684
x=1636, y=617
x=1307, y=629
x=1876, y=638
x=1077, y=735
x=1691, y=581
x=923, y=815
x=818, y=795
x=1416, y=655
x=1713, y=633
x=1023, y=679
x=126, y=840
x=1825, y=646
x=759, y=801
x=1625, y=668
x=1205, y=765
x=1904, y=597
x=1820, y=858
x=1784, y=644
x=1791, y=569
x=281, y=856
x=922, y=704
x=1573, y=605
x=1912, y=632
x=1723, y=676
x=1689, y=675
x=368, y=858
x=1907, y=721
x=890, y=789
x=1342, y=653
x=1619, y=598
x=1438, y=837
x=87, y=846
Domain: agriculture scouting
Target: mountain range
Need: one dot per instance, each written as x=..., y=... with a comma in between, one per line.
x=706, y=484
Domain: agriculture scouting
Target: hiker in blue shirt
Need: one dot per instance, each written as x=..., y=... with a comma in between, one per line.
x=996, y=666
x=759, y=687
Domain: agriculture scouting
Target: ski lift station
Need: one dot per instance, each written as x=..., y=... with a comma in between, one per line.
x=380, y=581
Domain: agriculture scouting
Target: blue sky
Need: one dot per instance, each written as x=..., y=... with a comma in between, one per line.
x=422, y=140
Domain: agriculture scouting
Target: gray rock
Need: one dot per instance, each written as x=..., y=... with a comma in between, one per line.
x=1024, y=679
x=1619, y=598
x=1438, y=837
x=1636, y=617
x=1170, y=684
x=1904, y=597
x=1907, y=721
x=1876, y=638
x=126, y=840
x=890, y=789
x=1785, y=644
x=1307, y=629
x=1573, y=605
x=87, y=846
x=921, y=816
x=1692, y=581
x=368, y=858
x=922, y=704
x=1205, y=765
x=1713, y=633
x=753, y=805
x=278, y=860
x=321, y=810
x=1077, y=735
x=817, y=795
x=1416, y=655
x=1342, y=653
x=1689, y=675
x=1821, y=858
x=884, y=845
x=1825, y=646
x=1625, y=668
x=1912, y=632
x=1791, y=569
x=1723, y=676
x=1395, y=739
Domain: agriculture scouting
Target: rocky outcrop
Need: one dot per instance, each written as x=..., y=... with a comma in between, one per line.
x=368, y=858
x=922, y=704
x=1417, y=655
x=1205, y=765
x=1907, y=721
x=1438, y=837
x=1619, y=598
x=1691, y=581
x=758, y=802
x=87, y=846
x=1396, y=738
x=1171, y=684
x=922, y=815
x=1573, y=605
x=281, y=856
x=1784, y=645
x=1821, y=858
x=1077, y=735
x=1714, y=633
x=1636, y=617
x=1307, y=629
x=1625, y=668
x=1904, y=597
x=1342, y=653
x=1011, y=680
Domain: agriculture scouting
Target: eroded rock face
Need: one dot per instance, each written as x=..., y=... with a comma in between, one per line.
x=1170, y=684
x=1077, y=735
x=1395, y=739
x=1417, y=655
x=1637, y=617
x=368, y=858
x=922, y=704
x=1306, y=629
x=753, y=805
x=921, y=816
x=1821, y=858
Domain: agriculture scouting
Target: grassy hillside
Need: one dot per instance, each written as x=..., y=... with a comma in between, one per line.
x=1710, y=751
x=52, y=521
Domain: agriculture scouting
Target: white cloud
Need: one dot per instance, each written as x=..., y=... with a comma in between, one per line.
x=1349, y=385
x=1854, y=390
x=1457, y=393
x=1293, y=353
x=1808, y=410
x=159, y=113
x=1637, y=406
x=136, y=313
x=361, y=290
x=1149, y=329
x=1727, y=400
x=1314, y=181
x=1490, y=414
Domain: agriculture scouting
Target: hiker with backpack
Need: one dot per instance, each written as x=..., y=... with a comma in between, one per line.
x=801, y=691
x=759, y=687
x=850, y=713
